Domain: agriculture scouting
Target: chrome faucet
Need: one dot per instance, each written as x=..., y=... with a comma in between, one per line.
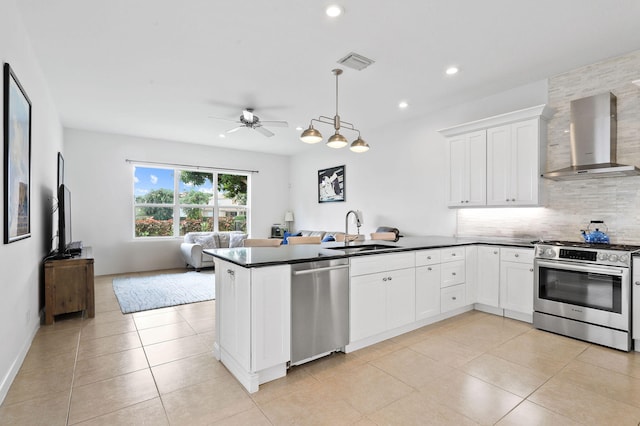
x=346, y=225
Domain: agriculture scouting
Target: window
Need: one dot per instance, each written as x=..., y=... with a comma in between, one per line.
x=171, y=202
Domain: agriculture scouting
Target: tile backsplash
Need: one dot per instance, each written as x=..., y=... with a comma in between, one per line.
x=570, y=205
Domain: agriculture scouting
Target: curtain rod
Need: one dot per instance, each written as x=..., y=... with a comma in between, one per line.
x=191, y=166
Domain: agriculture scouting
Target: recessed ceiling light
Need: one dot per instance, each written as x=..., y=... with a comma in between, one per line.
x=334, y=10
x=452, y=70
x=299, y=128
x=222, y=136
x=403, y=105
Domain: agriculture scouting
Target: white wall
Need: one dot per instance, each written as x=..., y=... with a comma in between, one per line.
x=401, y=181
x=101, y=187
x=20, y=262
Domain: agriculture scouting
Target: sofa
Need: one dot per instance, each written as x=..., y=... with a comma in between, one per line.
x=195, y=242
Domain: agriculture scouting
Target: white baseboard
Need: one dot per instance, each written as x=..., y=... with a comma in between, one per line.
x=8, y=378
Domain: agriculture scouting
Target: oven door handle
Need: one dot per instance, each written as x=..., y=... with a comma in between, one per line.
x=604, y=270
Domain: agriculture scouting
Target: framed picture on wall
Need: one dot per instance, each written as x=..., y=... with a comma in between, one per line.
x=17, y=159
x=331, y=184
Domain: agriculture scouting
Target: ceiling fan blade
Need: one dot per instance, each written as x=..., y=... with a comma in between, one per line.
x=235, y=129
x=264, y=131
x=222, y=118
x=275, y=123
x=248, y=115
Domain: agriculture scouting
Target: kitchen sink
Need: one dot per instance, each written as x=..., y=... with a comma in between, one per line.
x=362, y=247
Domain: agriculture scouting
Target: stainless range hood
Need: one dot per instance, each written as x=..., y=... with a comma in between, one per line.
x=593, y=141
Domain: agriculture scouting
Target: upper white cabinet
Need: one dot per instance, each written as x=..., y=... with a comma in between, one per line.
x=497, y=161
x=513, y=164
x=467, y=171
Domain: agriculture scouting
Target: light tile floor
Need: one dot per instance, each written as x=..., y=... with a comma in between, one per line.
x=157, y=368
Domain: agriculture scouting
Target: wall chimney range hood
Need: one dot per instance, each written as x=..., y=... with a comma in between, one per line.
x=593, y=141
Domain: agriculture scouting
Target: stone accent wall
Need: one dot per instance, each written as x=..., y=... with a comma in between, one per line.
x=570, y=205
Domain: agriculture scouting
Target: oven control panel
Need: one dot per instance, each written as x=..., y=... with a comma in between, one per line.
x=587, y=255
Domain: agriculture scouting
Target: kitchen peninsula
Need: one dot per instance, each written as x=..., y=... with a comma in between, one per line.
x=394, y=287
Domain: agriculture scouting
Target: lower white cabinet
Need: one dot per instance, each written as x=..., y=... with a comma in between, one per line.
x=516, y=283
x=427, y=291
x=488, y=276
x=452, y=297
x=253, y=322
x=381, y=301
x=635, y=304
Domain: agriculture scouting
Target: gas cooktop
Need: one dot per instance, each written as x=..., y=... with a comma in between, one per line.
x=597, y=246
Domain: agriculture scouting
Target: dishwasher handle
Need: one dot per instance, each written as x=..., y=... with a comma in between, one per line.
x=314, y=270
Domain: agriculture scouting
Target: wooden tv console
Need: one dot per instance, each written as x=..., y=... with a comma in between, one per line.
x=68, y=285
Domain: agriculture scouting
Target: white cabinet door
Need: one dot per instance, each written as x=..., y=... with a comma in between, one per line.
x=498, y=165
x=401, y=297
x=488, y=276
x=525, y=173
x=467, y=169
x=271, y=316
x=234, y=294
x=427, y=291
x=381, y=301
x=516, y=287
x=513, y=164
x=368, y=306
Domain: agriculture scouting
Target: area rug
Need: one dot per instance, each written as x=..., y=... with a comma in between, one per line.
x=160, y=291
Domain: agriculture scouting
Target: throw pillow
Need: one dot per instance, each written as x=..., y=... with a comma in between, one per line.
x=235, y=240
x=328, y=238
x=206, y=241
x=288, y=234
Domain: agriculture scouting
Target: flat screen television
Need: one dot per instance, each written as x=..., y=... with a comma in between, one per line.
x=64, y=221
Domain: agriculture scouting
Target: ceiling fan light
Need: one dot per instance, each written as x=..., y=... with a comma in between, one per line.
x=311, y=135
x=337, y=141
x=359, y=146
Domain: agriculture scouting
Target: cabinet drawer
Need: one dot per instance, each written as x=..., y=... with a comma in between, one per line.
x=452, y=273
x=427, y=257
x=452, y=297
x=516, y=255
x=451, y=254
x=373, y=264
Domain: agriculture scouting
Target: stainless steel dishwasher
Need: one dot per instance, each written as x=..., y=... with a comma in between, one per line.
x=319, y=308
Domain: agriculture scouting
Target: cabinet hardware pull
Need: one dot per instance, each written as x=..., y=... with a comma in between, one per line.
x=430, y=269
x=517, y=255
x=428, y=257
x=453, y=298
x=507, y=200
x=231, y=272
x=637, y=282
x=531, y=270
x=384, y=279
x=453, y=273
x=453, y=254
x=389, y=278
x=513, y=199
x=495, y=252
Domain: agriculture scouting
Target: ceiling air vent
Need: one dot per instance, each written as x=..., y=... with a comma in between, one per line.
x=355, y=61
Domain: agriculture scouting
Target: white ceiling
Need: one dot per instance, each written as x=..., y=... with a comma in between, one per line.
x=162, y=68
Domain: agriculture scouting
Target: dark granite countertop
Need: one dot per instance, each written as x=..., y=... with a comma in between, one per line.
x=252, y=257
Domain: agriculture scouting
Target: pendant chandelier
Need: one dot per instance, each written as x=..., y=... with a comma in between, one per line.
x=311, y=135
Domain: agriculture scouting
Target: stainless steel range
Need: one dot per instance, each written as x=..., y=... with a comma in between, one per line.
x=584, y=291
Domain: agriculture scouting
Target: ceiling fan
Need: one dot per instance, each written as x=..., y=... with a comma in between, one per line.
x=251, y=121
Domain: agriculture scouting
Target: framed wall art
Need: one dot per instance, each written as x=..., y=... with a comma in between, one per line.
x=331, y=184
x=17, y=159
